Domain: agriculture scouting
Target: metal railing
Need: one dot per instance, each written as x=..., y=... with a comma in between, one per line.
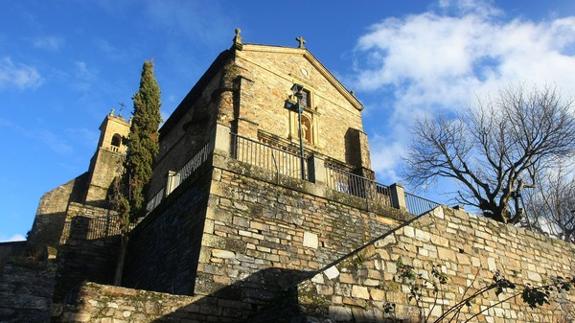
x=156, y=200
x=279, y=160
x=180, y=176
x=91, y=228
x=363, y=187
x=418, y=205
x=190, y=167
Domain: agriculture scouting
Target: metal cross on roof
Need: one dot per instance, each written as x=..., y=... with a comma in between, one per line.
x=301, y=42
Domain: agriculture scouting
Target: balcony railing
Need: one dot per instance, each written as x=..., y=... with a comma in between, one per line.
x=363, y=187
x=278, y=160
x=180, y=176
x=418, y=205
x=156, y=200
x=284, y=160
x=192, y=165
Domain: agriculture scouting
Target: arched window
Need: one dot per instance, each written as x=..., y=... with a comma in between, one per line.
x=116, y=140
x=306, y=129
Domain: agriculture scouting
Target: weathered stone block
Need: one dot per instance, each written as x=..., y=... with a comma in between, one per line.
x=225, y=254
x=310, y=240
x=340, y=313
x=331, y=272
x=446, y=254
x=360, y=292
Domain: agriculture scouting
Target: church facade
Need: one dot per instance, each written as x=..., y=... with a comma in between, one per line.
x=230, y=180
x=263, y=208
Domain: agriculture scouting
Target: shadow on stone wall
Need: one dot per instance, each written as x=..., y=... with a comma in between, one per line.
x=269, y=295
x=89, y=254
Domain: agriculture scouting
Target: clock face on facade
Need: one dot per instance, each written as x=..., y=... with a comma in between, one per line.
x=304, y=72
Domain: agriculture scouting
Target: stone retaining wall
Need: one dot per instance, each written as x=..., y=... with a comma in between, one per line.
x=264, y=237
x=26, y=288
x=464, y=247
x=105, y=304
x=89, y=248
x=7, y=249
x=163, y=249
x=264, y=234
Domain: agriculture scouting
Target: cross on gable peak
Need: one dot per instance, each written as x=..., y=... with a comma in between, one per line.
x=301, y=42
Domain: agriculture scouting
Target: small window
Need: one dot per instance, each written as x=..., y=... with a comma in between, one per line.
x=116, y=140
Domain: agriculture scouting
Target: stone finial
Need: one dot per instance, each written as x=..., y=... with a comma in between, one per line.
x=301, y=42
x=112, y=112
x=238, y=39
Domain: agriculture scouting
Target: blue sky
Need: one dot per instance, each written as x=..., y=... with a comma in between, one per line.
x=65, y=63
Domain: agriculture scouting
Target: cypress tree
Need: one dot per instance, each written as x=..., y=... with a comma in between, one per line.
x=143, y=139
x=128, y=192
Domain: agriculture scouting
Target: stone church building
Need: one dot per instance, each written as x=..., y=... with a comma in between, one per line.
x=263, y=207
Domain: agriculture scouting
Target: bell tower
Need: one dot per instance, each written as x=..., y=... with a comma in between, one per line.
x=107, y=160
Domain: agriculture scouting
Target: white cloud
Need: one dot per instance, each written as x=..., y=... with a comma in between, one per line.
x=385, y=154
x=51, y=43
x=14, y=237
x=18, y=75
x=444, y=59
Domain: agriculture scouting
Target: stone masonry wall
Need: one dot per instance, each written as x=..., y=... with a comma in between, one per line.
x=272, y=73
x=51, y=212
x=102, y=304
x=464, y=246
x=88, y=248
x=8, y=249
x=264, y=239
x=189, y=134
x=106, y=166
x=163, y=249
x=261, y=236
x=26, y=288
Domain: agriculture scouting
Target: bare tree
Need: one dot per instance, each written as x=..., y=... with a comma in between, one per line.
x=550, y=207
x=496, y=150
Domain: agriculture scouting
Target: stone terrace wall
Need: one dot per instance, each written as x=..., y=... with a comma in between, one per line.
x=88, y=250
x=51, y=212
x=26, y=288
x=163, y=249
x=357, y=288
x=8, y=249
x=263, y=234
x=101, y=304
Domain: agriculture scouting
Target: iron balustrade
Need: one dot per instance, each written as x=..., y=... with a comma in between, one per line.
x=282, y=161
x=156, y=200
x=279, y=160
x=363, y=187
x=91, y=228
x=419, y=205
x=193, y=164
x=180, y=176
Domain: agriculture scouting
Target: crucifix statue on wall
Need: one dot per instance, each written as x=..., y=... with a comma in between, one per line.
x=296, y=106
